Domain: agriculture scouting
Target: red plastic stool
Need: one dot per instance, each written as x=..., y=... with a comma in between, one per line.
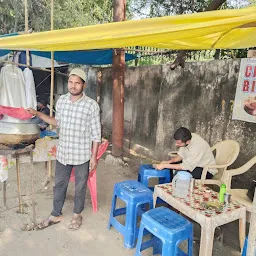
x=91, y=182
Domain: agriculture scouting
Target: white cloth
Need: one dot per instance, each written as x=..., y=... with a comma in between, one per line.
x=12, y=87
x=16, y=57
x=197, y=154
x=3, y=168
x=30, y=88
x=3, y=175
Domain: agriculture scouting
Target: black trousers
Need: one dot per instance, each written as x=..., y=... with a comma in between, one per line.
x=62, y=176
x=196, y=174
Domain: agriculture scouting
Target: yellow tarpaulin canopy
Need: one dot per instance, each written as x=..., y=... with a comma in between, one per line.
x=206, y=30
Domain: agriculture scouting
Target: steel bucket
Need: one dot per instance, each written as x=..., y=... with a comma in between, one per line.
x=13, y=133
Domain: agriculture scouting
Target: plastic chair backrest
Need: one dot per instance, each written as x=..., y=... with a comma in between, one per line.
x=226, y=153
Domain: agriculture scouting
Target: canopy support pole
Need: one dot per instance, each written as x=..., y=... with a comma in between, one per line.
x=26, y=28
x=118, y=72
x=49, y=165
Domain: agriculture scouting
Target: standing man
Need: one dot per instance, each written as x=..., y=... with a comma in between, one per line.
x=78, y=119
x=193, y=155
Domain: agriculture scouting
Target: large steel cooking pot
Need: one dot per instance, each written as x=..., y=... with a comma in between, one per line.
x=16, y=133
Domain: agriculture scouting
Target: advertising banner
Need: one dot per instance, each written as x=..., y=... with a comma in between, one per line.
x=245, y=100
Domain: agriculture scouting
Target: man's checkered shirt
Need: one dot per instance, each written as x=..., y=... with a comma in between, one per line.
x=79, y=124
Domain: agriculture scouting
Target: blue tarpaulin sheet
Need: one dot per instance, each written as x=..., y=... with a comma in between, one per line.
x=95, y=57
x=3, y=52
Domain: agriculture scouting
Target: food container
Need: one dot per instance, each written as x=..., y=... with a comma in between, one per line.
x=17, y=133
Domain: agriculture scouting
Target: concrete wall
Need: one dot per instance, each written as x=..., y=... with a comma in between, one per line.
x=199, y=97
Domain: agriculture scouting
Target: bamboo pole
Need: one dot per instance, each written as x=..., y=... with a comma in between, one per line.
x=52, y=85
x=52, y=65
x=26, y=28
x=32, y=67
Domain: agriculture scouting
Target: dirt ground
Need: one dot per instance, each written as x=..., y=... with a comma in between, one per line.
x=92, y=238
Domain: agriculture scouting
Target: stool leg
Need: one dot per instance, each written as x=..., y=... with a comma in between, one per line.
x=190, y=242
x=112, y=210
x=142, y=207
x=130, y=226
x=169, y=249
x=151, y=204
x=139, y=241
x=139, y=178
x=144, y=181
x=157, y=245
x=18, y=183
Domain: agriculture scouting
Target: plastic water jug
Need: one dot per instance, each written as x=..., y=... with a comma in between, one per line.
x=181, y=183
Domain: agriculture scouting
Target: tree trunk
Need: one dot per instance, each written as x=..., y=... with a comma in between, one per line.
x=180, y=59
x=214, y=5
x=118, y=71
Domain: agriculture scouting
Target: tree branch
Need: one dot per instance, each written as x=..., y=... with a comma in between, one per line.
x=180, y=59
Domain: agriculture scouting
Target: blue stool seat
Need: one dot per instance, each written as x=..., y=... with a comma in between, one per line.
x=136, y=196
x=148, y=171
x=168, y=229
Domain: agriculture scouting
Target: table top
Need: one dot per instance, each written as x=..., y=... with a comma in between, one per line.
x=197, y=201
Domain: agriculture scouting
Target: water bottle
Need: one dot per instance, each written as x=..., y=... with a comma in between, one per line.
x=181, y=183
x=222, y=192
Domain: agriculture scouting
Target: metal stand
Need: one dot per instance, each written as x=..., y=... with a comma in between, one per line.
x=4, y=194
x=18, y=153
x=18, y=182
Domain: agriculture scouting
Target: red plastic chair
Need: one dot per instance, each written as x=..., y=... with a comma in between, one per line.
x=91, y=182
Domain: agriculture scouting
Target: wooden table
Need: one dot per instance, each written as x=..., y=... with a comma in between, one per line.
x=17, y=154
x=192, y=206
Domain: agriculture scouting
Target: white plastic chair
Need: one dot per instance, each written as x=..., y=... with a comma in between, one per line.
x=240, y=194
x=226, y=153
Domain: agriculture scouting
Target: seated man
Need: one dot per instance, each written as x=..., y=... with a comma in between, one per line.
x=41, y=107
x=194, y=153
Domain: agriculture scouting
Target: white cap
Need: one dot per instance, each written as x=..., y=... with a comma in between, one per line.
x=78, y=72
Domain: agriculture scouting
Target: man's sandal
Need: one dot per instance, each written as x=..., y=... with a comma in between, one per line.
x=76, y=222
x=46, y=223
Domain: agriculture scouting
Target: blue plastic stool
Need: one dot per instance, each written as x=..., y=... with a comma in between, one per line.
x=136, y=196
x=147, y=171
x=168, y=229
x=245, y=247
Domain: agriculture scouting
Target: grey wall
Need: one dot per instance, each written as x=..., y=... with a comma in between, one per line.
x=158, y=101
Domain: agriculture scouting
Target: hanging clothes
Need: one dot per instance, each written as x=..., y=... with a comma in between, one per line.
x=12, y=87
x=22, y=59
x=16, y=57
x=30, y=88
